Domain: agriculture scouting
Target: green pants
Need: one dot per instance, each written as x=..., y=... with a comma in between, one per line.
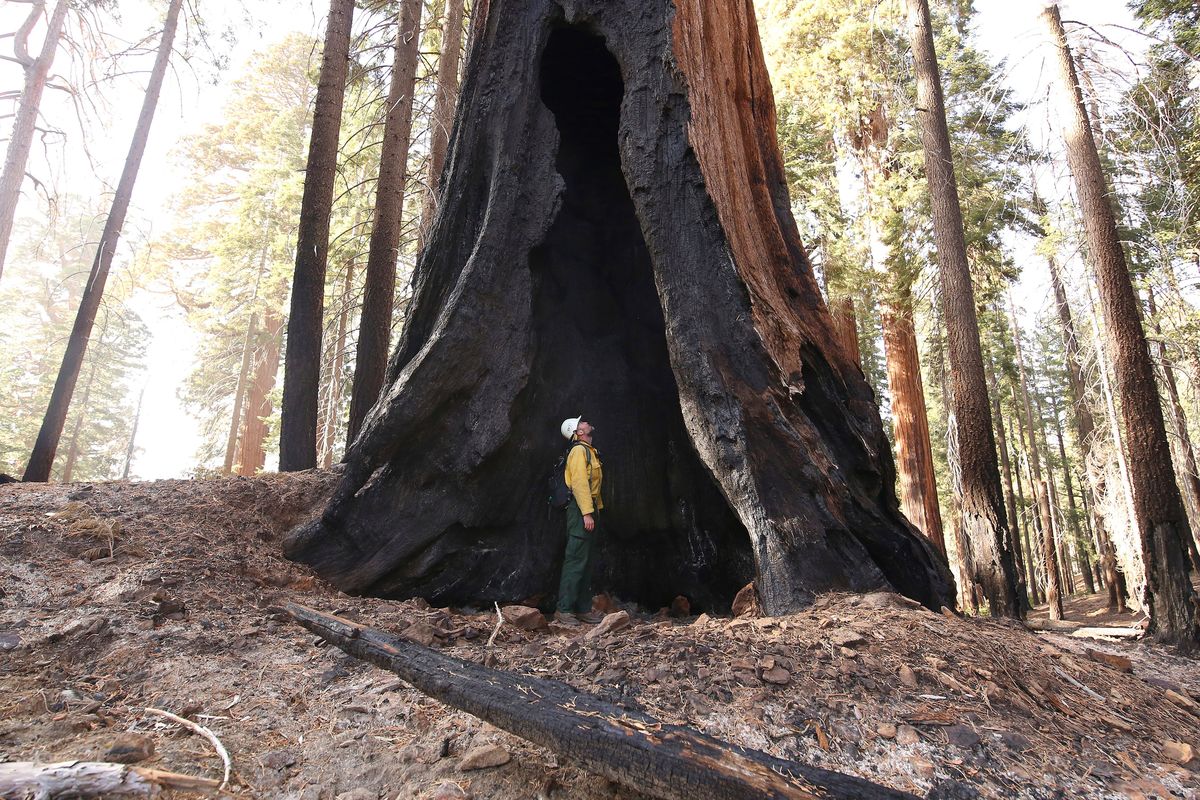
x=575, y=586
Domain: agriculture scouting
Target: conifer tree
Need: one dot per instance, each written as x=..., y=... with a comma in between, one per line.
x=986, y=528
x=42, y=458
x=302, y=371
x=1157, y=504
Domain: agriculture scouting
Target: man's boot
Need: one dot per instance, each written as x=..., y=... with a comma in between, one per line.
x=566, y=619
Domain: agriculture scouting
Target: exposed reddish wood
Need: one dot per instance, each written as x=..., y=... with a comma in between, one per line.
x=914, y=453
x=259, y=407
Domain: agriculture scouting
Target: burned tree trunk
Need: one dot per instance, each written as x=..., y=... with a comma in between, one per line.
x=617, y=241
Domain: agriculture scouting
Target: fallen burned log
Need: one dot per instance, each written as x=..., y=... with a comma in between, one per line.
x=658, y=759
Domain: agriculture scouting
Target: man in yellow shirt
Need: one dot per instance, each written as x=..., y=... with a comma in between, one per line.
x=583, y=475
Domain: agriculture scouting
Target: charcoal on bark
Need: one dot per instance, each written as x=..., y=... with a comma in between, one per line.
x=616, y=240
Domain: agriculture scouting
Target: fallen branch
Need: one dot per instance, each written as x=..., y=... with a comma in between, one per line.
x=671, y=762
x=499, y=625
x=203, y=731
x=92, y=779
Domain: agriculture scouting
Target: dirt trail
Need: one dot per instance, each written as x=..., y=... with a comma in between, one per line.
x=119, y=596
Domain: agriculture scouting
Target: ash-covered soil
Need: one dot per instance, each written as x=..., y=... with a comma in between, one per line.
x=115, y=597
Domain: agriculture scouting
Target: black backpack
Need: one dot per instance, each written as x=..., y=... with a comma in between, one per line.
x=560, y=493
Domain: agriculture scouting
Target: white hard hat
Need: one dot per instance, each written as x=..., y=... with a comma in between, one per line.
x=569, y=425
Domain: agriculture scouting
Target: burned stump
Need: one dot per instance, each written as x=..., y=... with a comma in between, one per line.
x=616, y=240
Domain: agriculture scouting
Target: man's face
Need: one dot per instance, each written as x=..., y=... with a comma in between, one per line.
x=585, y=428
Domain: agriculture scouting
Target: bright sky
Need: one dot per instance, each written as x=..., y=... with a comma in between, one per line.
x=1008, y=29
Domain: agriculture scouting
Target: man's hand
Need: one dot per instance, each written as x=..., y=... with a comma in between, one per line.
x=589, y=524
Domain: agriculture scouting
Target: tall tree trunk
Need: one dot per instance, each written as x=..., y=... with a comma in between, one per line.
x=68, y=470
x=302, y=370
x=1040, y=489
x=914, y=453
x=986, y=530
x=1186, y=460
x=1085, y=432
x=137, y=419
x=1061, y=548
x=1007, y=473
x=1156, y=499
x=1026, y=541
x=258, y=399
x=335, y=383
x=445, y=99
x=845, y=327
x=1131, y=532
x=967, y=596
x=42, y=458
x=21, y=139
x=621, y=240
x=1085, y=568
x=239, y=393
x=375, y=324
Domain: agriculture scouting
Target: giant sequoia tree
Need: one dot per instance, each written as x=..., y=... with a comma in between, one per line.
x=615, y=239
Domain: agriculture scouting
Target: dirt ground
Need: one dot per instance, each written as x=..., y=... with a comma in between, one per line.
x=115, y=597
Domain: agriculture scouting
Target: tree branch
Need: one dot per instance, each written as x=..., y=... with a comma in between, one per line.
x=21, y=42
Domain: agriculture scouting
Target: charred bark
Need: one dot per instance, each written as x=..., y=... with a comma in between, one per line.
x=616, y=239
x=658, y=759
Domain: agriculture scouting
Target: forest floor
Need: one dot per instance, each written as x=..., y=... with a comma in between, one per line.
x=115, y=597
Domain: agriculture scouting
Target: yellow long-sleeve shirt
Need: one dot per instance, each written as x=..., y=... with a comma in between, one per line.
x=584, y=478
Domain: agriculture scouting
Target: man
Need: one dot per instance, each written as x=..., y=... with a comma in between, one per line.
x=583, y=474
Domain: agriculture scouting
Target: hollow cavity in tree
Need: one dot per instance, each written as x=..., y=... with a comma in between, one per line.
x=601, y=351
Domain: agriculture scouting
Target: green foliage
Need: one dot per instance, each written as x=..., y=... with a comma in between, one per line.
x=1179, y=18
x=233, y=256
x=42, y=286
